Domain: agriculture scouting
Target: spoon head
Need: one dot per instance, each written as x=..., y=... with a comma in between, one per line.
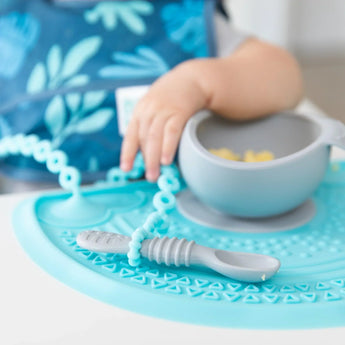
x=247, y=267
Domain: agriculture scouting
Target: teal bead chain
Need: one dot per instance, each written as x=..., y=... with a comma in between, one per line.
x=157, y=223
x=42, y=152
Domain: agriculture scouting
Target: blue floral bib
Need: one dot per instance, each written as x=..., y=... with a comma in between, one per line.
x=61, y=62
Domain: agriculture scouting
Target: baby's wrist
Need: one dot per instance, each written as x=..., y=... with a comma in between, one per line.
x=191, y=72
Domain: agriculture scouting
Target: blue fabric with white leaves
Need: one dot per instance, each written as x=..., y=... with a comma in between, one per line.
x=61, y=61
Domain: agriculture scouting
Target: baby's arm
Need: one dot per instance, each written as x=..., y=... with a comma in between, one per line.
x=256, y=80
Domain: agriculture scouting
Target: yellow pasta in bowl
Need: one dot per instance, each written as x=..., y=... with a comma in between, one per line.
x=262, y=156
x=226, y=154
x=249, y=156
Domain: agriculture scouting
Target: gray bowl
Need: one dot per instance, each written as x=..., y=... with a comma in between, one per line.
x=300, y=143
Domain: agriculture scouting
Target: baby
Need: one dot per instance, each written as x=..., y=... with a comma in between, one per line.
x=61, y=81
x=257, y=79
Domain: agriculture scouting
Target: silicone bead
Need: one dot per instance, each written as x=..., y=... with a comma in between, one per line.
x=164, y=201
x=10, y=143
x=168, y=183
x=14, y=144
x=163, y=227
x=136, y=173
x=170, y=170
x=116, y=175
x=56, y=161
x=42, y=150
x=3, y=150
x=69, y=178
x=135, y=255
x=136, y=245
x=153, y=220
x=133, y=263
x=139, y=161
x=149, y=226
x=28, y=145
x=5, y=141
x=138, y=235
x=138, y=169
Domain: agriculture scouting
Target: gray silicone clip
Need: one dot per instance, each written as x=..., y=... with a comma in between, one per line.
x=247, y=267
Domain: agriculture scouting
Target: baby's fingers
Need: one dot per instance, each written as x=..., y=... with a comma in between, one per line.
x=153, y=148
x=130, y=145
x=172, y=134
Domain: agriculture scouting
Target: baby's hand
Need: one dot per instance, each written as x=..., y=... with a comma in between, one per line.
x=159, y=118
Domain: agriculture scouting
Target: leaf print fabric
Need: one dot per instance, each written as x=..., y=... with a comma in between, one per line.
x=144, y=63
x=63, y=81
x=76, y=113
x=18, y=34
x=185, y=25
x=55, y=116
x=59, y=71
x=130, y=13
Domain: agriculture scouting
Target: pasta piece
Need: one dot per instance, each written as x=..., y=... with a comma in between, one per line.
x=249, y=156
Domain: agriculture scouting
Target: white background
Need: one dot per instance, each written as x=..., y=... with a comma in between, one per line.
x=307, y=27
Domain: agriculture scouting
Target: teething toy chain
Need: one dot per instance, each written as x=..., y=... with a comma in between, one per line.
x=70, y=179
x=157, y=223
x=42, y=152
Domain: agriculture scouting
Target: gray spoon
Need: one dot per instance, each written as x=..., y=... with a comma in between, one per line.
x=247, y=267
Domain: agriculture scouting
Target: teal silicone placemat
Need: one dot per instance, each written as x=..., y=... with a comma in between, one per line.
x=308, y=291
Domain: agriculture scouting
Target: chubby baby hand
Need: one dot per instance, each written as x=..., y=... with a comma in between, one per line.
x=159, y=118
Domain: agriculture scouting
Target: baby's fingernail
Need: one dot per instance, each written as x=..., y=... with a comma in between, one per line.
x=124, y=166
x=151, y=176
x=166, y=160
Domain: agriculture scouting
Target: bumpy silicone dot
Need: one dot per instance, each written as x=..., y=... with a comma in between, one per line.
x=28, y=144
x=56, y=161
x=164, y=201
x=69, y=178
x=42, y=150
x=116, y=175
x=170, y=170
x=168, y=183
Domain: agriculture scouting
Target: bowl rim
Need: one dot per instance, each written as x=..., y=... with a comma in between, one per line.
x=193, y=124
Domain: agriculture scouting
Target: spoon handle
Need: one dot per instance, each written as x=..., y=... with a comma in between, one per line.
x=103, y=242
x=169, y=251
